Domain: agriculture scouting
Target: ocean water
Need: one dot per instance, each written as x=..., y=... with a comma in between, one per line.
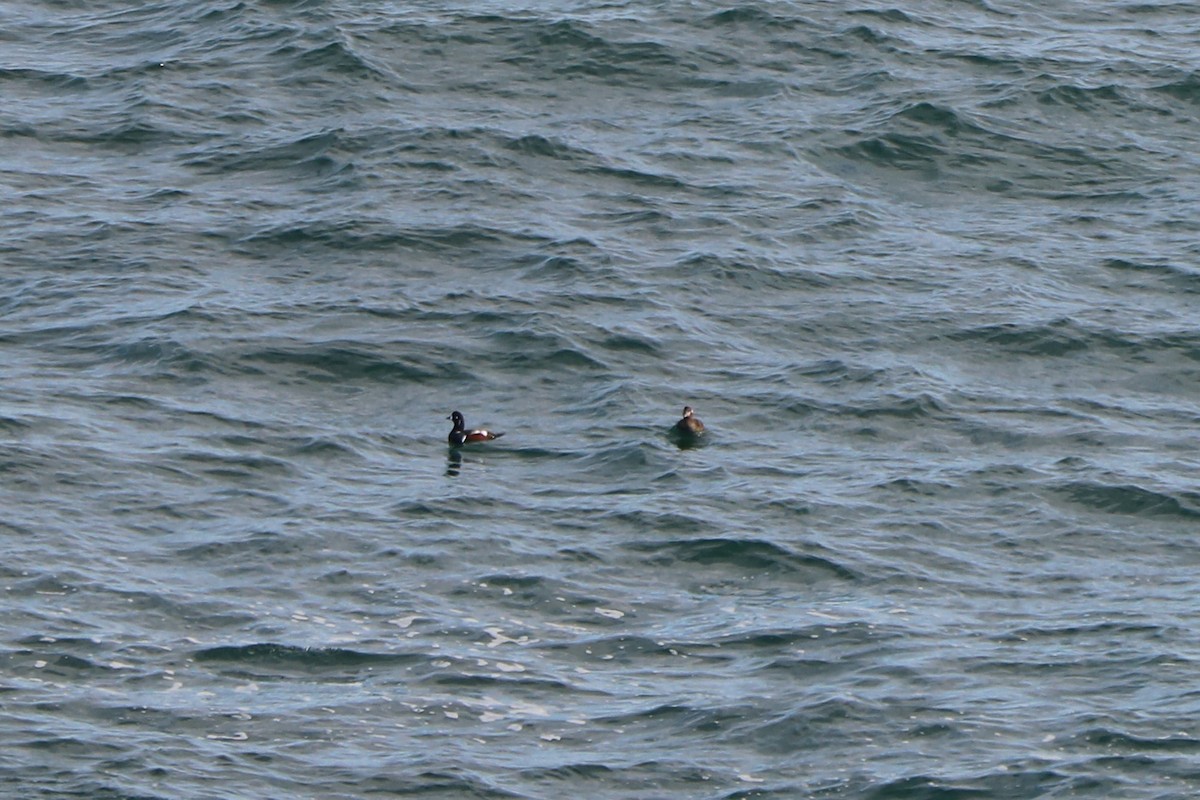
x=928, y=271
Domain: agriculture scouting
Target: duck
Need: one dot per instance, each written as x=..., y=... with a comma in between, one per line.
x=459, y=435
x=690, y=424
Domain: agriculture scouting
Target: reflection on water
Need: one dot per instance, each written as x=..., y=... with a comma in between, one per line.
x=686, y=441
x=453, y=462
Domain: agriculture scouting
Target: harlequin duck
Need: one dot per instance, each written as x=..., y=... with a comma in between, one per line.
x=690, y=424
x=459, y=435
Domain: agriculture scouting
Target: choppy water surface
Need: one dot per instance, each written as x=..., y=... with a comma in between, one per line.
x=927, y=271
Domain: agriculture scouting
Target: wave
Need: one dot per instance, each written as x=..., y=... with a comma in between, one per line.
x=804, y=727
x=920, y=406
x=535, y=351
x=251, y=548
x=544, y=147
x=272, y=660
x=571, y=48
x=1023, y=154
x=1130, y=499
x=1011, y=781
x=1177, y=277
x=754, y=17
x=1068, y=337
x=56, y=81
x=663, y=522
x=1056, y=338
x=712, y=273
x=606, y=648
x=306, y=156
x=774, y=641
x=1108, y=100
x=326, y=63
x=1104, y=631
x=241, y=467
x=1112, y=739
x=753, y=555
x=376, y=235
x=354, y=361
x=627, y=467
x=640, y=177
x=1185, y=88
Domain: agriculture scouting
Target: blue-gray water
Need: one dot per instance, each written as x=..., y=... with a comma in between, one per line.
x=928, y=271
